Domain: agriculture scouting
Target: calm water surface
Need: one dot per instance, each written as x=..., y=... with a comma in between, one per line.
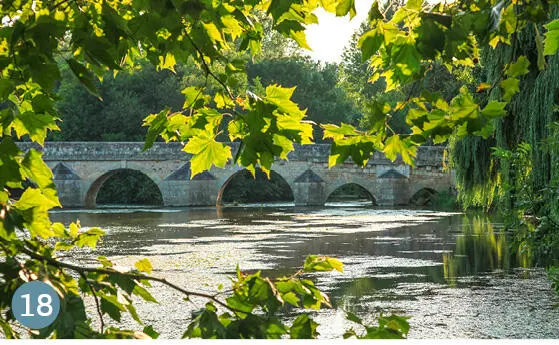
x=452, y=273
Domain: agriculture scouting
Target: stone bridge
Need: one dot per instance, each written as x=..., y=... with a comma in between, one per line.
x=81, y=168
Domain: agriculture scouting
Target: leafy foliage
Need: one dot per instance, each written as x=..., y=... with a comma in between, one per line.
x=402, y=47
x=317, y=88
x=389, y=327
x=514, y=170
x=98, y=36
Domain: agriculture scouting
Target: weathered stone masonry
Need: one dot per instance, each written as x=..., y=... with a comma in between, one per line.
x=81, y=168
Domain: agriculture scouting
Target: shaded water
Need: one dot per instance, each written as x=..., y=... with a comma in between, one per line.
x=453, y=274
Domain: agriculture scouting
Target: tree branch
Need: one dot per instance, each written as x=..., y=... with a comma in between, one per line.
x=133, y=276
x=206, y=67
x=98, y=307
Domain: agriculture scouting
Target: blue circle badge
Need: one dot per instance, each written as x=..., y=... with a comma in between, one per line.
x=35, y=305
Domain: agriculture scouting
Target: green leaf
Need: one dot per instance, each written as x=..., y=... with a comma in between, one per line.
x=45, y=74
x=105, y=262
x=463, y=107
x=291, y=298
x=132, y=310
x=151, y=332
x=37, y=171
x=494, y=109
x=294, y=30
x=144, y=265
x=33, y=197
x=213, y=32
x=338, y=132
x=551, y=41
x=58, y=230
x=167, y=62
x=143, y=293
x=322, y=263
x=370, y=43
x=194, y=97
x=206, y=152
x=303, y=328
x=394, y=146
x=519, y=68
x=406, y=63
x=222, y=100
x=157, y=123
x=344, y=7
x=36, y=125
x=239, y=304
x=111, y=306
x=6, y=88
x=510, y=88
x=540, y=49
x=431, y=36
x=374, y=12
x=74, y=230
x=85, y=77
x=352, y=317
x=90, y=238
x=281, y=97
x=206, y=325
x=99, y=51
x=9, y=165
x=61, y=246
x=42, y=103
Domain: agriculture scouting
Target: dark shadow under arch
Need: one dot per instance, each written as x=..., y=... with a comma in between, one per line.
x=423, y=197
x=351, y=192
x=123, y=186
x=242, y=187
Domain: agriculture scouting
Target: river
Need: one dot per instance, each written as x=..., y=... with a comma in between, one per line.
x=452, y=273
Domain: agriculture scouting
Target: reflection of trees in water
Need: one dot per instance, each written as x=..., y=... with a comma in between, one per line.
x=481, y=249
x=244, y=188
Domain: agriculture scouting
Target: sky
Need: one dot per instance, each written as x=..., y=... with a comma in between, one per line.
x=329, y=37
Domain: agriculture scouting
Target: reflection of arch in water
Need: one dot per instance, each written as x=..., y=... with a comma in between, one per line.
x=340, y=193
x=243, y=181
x=95, y=187
x=423, y=197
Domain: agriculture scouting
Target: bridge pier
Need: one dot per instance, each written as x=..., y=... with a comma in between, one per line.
x=393, y=189
x=189, y=193
x=178, y=189
x=309, y=189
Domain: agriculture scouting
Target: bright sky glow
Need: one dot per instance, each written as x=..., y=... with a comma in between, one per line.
x=332, y=34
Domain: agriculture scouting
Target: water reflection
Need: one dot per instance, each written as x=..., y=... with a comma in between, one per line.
x=454, y=274
x=482, y=246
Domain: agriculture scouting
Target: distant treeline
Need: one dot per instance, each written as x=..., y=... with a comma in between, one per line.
x=331, y=93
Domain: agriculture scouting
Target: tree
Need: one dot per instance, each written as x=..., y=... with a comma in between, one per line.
x=515, y=170
x=109, y=35
x=316, y=90
x=356, y=74
x=118, y=113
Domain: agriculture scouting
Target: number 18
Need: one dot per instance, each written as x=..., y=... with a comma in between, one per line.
x=42, y=305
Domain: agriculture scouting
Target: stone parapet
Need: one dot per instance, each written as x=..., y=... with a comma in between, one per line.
x=133, y=151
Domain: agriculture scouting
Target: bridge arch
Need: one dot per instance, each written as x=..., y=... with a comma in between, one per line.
x=275, y=185
x=360, y=188
x=94, y=188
